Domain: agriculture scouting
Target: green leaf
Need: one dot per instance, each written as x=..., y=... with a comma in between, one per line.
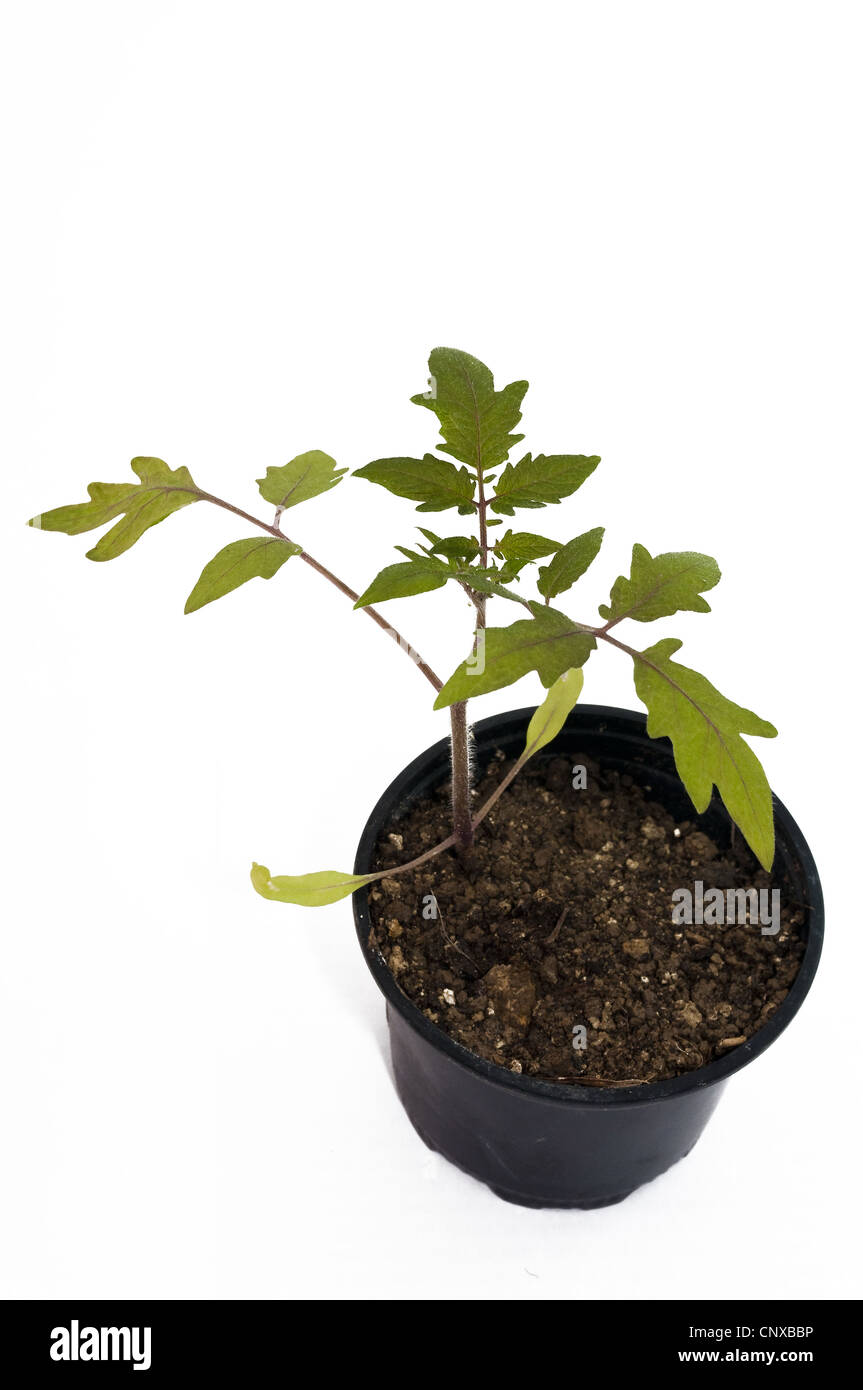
x=549, y=718
x=475, y=420
x=548, y=643
x=434, y=483
x=520, y=548
x=452, y=547
x=160, y=491
x=416, y=576
x=422, y=573
x=306, y=476
x=569, y=563
x=483, y=581
x=257, y=558
x=705, y=728
x=536, y=482
x=308, y=890
x=660, y=585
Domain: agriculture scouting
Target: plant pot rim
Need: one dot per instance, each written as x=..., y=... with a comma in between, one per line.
x=573, y=1094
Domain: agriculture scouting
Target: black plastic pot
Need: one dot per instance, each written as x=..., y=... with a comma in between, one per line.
x=535, y=1142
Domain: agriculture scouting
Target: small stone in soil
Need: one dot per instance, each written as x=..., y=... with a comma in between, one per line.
x=513, y=993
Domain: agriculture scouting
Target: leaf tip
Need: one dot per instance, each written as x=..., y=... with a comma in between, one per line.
x=260, y=877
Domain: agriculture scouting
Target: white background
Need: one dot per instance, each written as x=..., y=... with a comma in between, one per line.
x=233, y=232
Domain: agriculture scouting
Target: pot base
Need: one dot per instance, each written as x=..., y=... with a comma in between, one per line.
x=520, y=1201
x=562, y=1156
x=517, y=1199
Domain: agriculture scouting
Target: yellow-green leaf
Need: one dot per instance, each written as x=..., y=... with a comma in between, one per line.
x=160, y=491
x=307, y=475
x=258, y=557
x=705, y=728
x=549, y=718
x=546, y=724
x=307, y=890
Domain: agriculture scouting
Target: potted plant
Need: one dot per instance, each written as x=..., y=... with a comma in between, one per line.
x=578, y=944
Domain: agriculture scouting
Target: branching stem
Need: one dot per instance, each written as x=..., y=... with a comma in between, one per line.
x=476, y=820
x=276, y=530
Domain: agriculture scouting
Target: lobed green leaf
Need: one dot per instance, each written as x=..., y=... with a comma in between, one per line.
x=159, y=492
x=435, y=484
x=659, y=585
x=705, y=730
x=537, y=482
x=476, y=421
x=548, y=643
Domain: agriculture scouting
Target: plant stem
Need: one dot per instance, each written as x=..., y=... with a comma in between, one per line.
x=377, y=618
x=275, y=530
x=462, y=821
x=460, y=763
x=481, y=506
x=492, y=800
x=462, y=827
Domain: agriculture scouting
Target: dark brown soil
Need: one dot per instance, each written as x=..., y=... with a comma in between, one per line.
x=564, y=919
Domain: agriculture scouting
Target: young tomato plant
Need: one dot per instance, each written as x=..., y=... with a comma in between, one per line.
x=477, y=427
